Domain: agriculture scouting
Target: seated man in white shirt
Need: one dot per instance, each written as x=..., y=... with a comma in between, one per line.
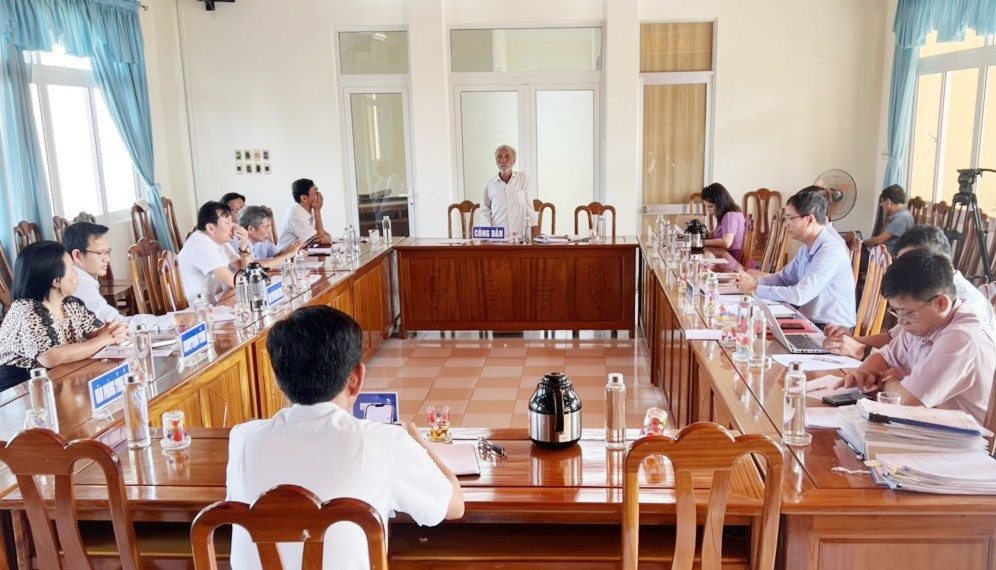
x=258, y=222
x=945, y=357
x=919, y=237
x=90, y=248
x=303, y=220
x=235, y=202
x=207, y=261
x=319, y=445
x=508, y=198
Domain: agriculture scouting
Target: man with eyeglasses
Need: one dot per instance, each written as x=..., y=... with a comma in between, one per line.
x=944, y=353
x=819, y=280
x=90, y=248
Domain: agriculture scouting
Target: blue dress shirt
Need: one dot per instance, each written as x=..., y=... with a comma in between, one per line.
x=819, y=280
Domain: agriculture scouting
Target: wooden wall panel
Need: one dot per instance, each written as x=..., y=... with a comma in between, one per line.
x=676, y=46
x=674, y=128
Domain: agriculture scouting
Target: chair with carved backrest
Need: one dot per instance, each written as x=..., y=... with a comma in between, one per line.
x=853, y=244
x=288, y=513
x=59, y=225
x=763, y=204
x=704, y=447
x=26, y=232
x=541, y=207
x=171, y=282
x=969, y=257
x=466, y=211
x=939, y=214
x=918, y=209
x=775, y=256
x=143, y=259
x=697, y=207
x=594, y=209
x=141, y=226
x=871, y=309
x=43, y=452
x=6, y=280
x=174, y=229
x=747, y=246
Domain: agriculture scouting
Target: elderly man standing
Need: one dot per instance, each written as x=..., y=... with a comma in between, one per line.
x=508, y=198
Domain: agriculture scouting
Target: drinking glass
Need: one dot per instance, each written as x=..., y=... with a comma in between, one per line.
x=439, y=424
x=889, y=398
x=654, y=422
x=175, y=434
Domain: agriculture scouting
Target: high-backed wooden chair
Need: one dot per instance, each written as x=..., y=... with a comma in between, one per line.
x=466, y=210
x=174, y=229
x=594, y=209
x=747, y=246
x=44, y=452
x=939, y=214
x=85, y=217
x=871, y=309
x=6, y=279
x=288, y=513
x=774, y=256
x=968, y=257
x=704, y=447
x=171, y=283
x=918, y=209
x=59, y=225
x=541, y=207
x=141, y=226
x=26, y=232
x=854, y=250
x=763, y=204
x=143, y=259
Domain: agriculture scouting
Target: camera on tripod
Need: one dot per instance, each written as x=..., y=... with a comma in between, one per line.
x=966, y=196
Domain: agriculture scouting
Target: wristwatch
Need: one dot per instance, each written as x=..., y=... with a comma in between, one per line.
x=245, y=252
x=867, y=352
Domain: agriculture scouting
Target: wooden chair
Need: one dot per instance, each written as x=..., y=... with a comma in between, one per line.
x=26, y=232
x=44, y=452
x=85, y=217
x=747, y=246
x=939, y=214
x=918, y=209
x=287, y=513
x=466, y=210
x=59, y=225
x=968, y=256
x=775, y=257
x=143, y=259
x=871, y=309
x=854, y=249
x=697, y=207
x=171, y=282
x=174, y=229
x=703, y=447
x=763, y=204
x=540, y=206
x=6, y=279
x=141, y=227
x=595, y=209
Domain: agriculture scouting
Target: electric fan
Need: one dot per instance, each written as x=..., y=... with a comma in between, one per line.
x=841, y=190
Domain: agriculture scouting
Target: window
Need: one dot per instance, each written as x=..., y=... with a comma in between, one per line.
x=954, y=118
x=88, y=166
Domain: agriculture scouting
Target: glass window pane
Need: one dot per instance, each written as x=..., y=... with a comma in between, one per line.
x=488, y=119
x=933, y=47
x=40, y=132
x=58, y=58
x=373, y=52
x=380, y=160
x=923, y=159
x=959, y=126
x=565, y=139
x=115, y=162
x=985, y=186
x=70, y=113
x=531, y=49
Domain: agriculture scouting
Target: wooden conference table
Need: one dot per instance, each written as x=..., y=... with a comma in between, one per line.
x=830, y=520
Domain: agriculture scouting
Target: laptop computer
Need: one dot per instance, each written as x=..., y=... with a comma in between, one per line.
x=808, y=341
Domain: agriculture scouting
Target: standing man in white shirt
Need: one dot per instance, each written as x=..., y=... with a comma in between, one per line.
x=303, y=220
x=90, y=249
x=258, y=222
x=317, y=443
x=508, y=198
x=207, y=261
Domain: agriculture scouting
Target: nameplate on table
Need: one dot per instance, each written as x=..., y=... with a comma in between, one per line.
x=488, y=232
x=274, y=293
x=107, y=388
x=377, y=406
x=193, y=340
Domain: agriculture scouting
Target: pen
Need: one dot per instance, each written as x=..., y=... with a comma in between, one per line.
x=884, y=419
x=830, y=360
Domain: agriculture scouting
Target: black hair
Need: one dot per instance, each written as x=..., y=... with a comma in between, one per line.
x=232, y=196
x=894, y=194
x=313, y=352
x=927, y=237
x=811, y=201
x=210, y=213
x=921, y=275
x=300, y=188
x=36, y=267
x=716, y=194
x=78, y=236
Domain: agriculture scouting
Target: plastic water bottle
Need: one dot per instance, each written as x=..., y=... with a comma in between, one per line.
x=355, y=241
x=758, y=338
x=243, y=314
x=615, y=412
x=710, y=303
x=385, y=230
x=136, y=411
x=41, y=391
x=143, y=363
x=794, y=427
x=202, y=309
x=527, y=234
x=288, y=278
x=742, y=335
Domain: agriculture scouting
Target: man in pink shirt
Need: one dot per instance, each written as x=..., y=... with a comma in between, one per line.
x=948, y=357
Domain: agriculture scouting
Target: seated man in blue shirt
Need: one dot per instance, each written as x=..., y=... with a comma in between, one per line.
x=819, y=280
x=258, y=222
x=893, y=203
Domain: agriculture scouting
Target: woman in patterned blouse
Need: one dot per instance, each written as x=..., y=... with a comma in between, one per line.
x=46, y=325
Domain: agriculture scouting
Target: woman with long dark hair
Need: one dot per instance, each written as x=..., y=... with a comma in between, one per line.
x=731, y=222
x=46, y=326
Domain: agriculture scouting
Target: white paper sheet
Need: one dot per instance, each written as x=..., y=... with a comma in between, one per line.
x=782, y=311
x=823, y=417
x=818, y=388
x=461, y=458
x=702, y=334
x=817, y=362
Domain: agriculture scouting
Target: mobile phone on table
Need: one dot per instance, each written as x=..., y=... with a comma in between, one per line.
x=793, y=327
x=383, y=413
x=844, y=399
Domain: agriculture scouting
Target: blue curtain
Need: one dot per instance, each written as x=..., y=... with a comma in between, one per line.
x=107, y=32
x=915, y=19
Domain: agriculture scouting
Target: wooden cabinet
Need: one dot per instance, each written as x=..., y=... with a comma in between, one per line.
x=219, y=396
x=372, y=303
x=271, y=398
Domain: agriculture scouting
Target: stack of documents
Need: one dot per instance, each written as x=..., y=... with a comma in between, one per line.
x=962, y=473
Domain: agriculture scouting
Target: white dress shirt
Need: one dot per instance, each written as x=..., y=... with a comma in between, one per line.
x=200, y=256
x=508, y=205
x=298, y=224
x=329, y=452
x=89, y=293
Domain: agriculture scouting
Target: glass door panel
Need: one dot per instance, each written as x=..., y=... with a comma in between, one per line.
x=565, y=152
x=380, y=163
x=488, y=119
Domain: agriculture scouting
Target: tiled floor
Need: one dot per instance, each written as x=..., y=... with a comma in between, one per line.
x=487, y=382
